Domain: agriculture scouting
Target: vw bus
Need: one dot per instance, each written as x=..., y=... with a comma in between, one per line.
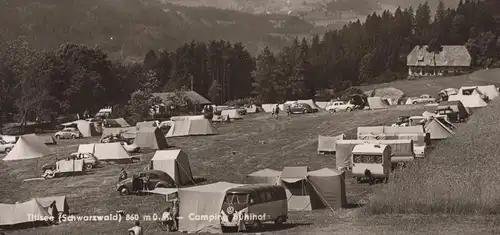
x=371, y=162
x=253, y=205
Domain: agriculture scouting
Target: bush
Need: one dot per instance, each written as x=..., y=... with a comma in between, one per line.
x=460, y=176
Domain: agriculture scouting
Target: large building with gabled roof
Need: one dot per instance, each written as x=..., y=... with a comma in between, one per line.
x=452, y=59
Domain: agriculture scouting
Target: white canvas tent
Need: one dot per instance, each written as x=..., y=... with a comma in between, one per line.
x=183, y=118
x=86, y=128
x=322, y=104
x=105, y=151
x=310, y=103
x=489, y=90
x=469, y=101
x=268, y=107
x=191, y=127
x=232, y=113
x=61, y=203
x=28, y=147
x=151, y=137
x=287, y=103
x=327, y=143
x=330, y=186
x=377, y=103
x=202, y=200
x=264, y=176
x=30, y=211
x=438, y=130
x=175, y=163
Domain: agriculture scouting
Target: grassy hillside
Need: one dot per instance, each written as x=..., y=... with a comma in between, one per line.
x=435, y=84
x=461, y=175
x=130, y=28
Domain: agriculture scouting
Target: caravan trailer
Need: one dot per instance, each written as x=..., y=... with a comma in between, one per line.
x=371, y=162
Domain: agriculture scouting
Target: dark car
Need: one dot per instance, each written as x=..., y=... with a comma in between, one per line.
x=157, y=179
x=301, y=108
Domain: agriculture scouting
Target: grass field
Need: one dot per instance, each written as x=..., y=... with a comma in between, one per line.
x=432, y=86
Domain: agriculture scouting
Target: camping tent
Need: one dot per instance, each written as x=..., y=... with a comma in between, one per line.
x=47, y=139
x=327, y=143
x=175, y=163
x=490, y=90
x=265, y=176
x=322, y=104
x=28, y=147
x=330, y=186
x=86, y=128
x=437, y=129
x=118, y=122
x=61, y=203
x=183, y=118
x=150, y=137
x=310, y=103
x=474, y=100
x=105, y=151
x=377, y=130
x=141, y=125
x=287, y=103
x=125, y=132
x=403, y=150
x=268, y=107
x=377, y=103
x=191, y=127
x=232, y=113
x=30, y=211
x=202, y=200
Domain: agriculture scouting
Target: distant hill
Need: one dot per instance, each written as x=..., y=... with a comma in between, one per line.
x=414, y=3
x=132, y=27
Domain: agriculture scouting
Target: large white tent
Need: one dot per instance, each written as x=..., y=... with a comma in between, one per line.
x=28, y=147
x=26, y=212
x=175, y=163
x=191, y=127
x=469, y=101
x=310, y=103
x=377, y=103
x=86, y=128
x=232, y=113
x=105, y=151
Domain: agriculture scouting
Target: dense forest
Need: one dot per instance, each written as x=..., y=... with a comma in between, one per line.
x=73, y=78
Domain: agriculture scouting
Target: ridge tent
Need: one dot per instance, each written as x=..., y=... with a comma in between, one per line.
x=191, y=127
x=330, y=185
x=150, y=137
x=301, y=194
x=118, y=122
x=47, y=139
x=469, y=101
x=141, y=125
x=403, y=150
x=438, y=130
x=268, y=108
x=264, y=176
x=327, y=143
x=175, y=163
x=61, y=203
x=220, y=118
x=125, y=132
x=232, y=113
x=105, y=151
x=202, y=200
x=377, y=103
x=310, y=102
x=87, y=129
x=489, y=90
x=28, y=147
x=26, y=212
x=183, y=118
x=322, y=104
x=456, y=106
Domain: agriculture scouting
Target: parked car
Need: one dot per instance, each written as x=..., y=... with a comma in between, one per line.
x=335, y=106
x=157, y=179
x=240, y=110
x=423, y=99
x=128, y=145
x=89, y=160
x=63, y=167
x=6, y=147
x=68, y=133
x=301, y=108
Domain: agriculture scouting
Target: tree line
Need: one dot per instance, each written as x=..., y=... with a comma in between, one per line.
x=74, y=78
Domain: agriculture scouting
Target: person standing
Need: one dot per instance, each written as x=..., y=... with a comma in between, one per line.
x=289, y=111
x=123, y=175
x=277, y=112
x=175, y=214
x=54, y=212
x=145, y=183
x=168, y=219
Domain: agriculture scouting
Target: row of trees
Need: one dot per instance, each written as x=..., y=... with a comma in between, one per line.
x=75, y=78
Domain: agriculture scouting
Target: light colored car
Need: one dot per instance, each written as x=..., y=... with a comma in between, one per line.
x=423, y=99
x=335, y=106
x=68, y=133
x=131, y=148
x=89, y=160
x=6, y=147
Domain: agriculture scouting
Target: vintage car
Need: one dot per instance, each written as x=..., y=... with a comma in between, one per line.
x=336, y=106
x=301, y=108
x=6, y=147
x=157, y=179
x=68, y=133
x=63, y=167
x=89, y=160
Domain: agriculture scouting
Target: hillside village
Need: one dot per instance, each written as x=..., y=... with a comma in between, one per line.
x=386, y=125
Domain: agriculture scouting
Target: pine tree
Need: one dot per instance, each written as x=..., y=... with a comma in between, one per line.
x=263, y=76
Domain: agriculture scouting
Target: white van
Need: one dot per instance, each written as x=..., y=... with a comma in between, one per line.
x=371, y=162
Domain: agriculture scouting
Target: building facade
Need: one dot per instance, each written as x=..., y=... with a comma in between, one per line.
x=451, y=60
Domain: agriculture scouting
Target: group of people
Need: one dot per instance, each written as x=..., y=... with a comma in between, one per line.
x=276, y=111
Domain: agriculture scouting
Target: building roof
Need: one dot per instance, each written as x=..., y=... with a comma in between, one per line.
x=450, y=56
x=191, y=95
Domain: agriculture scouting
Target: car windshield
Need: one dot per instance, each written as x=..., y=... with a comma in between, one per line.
x=236, y=198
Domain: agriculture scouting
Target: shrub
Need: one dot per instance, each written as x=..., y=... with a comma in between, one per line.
x=460, y=176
